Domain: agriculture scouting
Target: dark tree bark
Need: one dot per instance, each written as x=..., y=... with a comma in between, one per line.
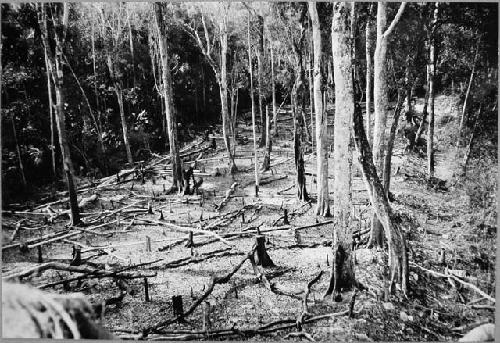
x=55, y=63
x=398, y=255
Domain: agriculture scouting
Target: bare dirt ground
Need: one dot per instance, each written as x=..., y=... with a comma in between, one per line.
x=444, y=302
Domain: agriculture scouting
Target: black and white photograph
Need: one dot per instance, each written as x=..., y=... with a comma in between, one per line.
x=249, y=171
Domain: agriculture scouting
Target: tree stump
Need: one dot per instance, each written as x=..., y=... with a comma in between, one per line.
x=77, y=256
x=177, y=306
x=261, y=256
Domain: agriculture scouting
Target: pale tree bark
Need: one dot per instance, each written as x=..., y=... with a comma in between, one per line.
x=260, y=71
x=226, y=122
x=298, y=128
x=266, y=163
x=175, y=160
x=381, y=101
x=310, y=76
x=342, y=265
x=432, y=73
x=425, y=113
x=299, y=123
x=55, y=63
x=273, y=85
x=220, y=70
x=390, y=144
x=322, y=207
x=252, y=100
x=463, y=117
x=398, y=253
x=369, y=73
x=115, y=36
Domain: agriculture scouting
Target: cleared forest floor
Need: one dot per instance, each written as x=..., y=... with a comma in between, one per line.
x=444, y=302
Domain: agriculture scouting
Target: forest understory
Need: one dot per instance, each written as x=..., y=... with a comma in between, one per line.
x=137, y=252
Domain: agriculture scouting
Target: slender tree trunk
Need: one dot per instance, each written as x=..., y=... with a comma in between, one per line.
x=132, y=53
x=398, y=255
x=119, y=98
x=342, y=265
x=261, y=111
x=95, y=120
x=266, y=164
x=226, y=122
x=322, y=207
x=381, y=102
x=432, y=66
x=421, y=126
x=252, y=100
x=51, y=113
x=408, y=89
x=311, y=95
x=390, y=144
x=260, y=56
x=175, y=159
x=369, y=75
x=298, y=128
x=463, y=117
x=273, y=85
x=55, y=64
x=468, y=150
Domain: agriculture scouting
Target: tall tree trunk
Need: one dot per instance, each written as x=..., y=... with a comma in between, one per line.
x=468, y=150
x=252, y=100
x=266, y=163
x=119, y=98
x=298, y=128
x=226, y=122
x=398, y=255
x=408, y=89
x=55, y=64
x=342, y=266
x=160, y=11
x=261, y=111
x=369, y=74
x=273, y=85
x=390, y=144
x=95, y=119
x=131, y=47
x=432, y=67
x=322, y=207
x=51, y=114
x=421, y=126
x=463, y=117
x=381, y=102
x=260, y=56
x=311, y=95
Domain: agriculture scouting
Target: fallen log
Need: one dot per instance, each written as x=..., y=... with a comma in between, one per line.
x=456, y=278
x=214, y=281
x=229, y=192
